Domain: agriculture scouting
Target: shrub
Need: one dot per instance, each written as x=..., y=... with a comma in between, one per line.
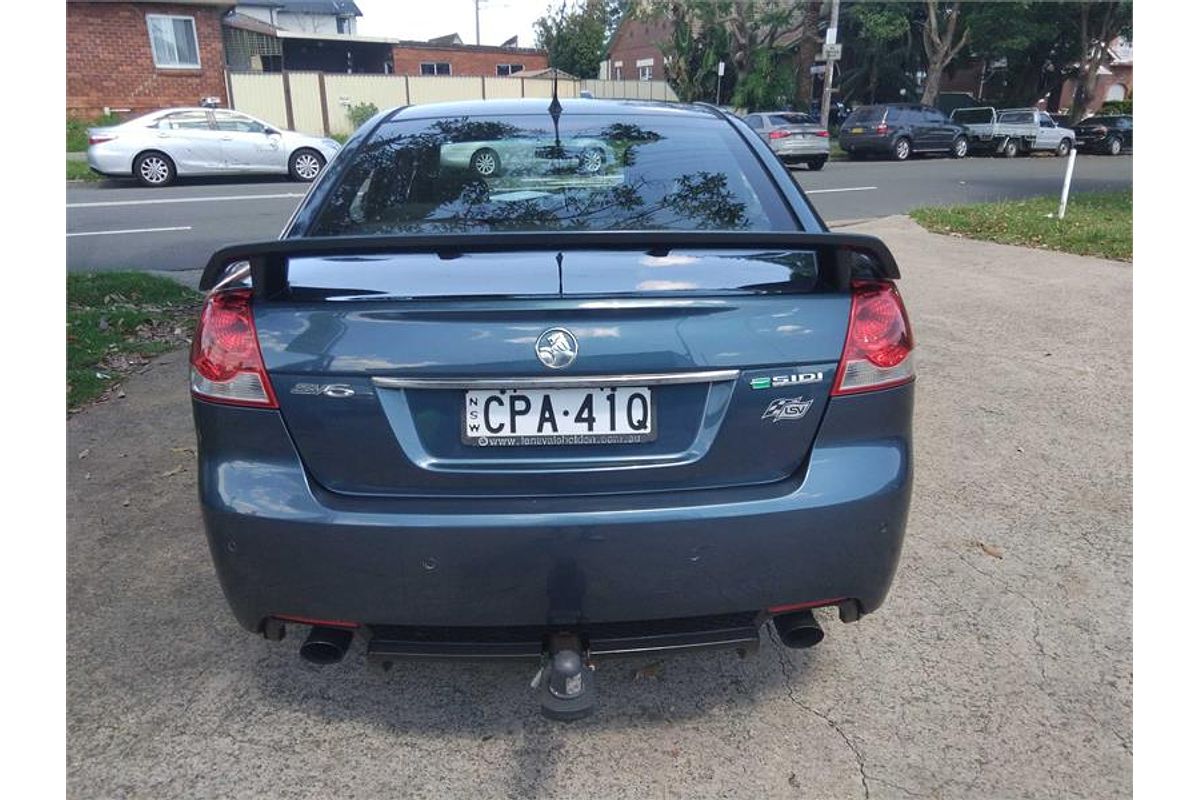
x=1117, y=107
x=77, y=130
x=360, y=113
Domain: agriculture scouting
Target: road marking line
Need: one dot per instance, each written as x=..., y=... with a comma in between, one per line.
x=131, y=230
x=847, y=189
x=184, y=200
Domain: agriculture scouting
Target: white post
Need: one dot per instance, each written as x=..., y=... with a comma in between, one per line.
x=1066, y=190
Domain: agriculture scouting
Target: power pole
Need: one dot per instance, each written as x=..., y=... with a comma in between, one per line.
x=830, y=38
x=476, y=22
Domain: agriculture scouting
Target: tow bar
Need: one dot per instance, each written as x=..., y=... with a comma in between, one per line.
x=565, y=682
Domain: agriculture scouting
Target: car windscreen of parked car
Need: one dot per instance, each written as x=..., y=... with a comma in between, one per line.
x=531, y=173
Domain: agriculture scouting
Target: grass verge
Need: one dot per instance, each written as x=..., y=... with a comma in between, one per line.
x=115, y=322
x=1096, y=223
x=80, y=171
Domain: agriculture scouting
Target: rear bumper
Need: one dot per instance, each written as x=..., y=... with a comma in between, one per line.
x=866, y=144
x=109, y=163
x=810, y=148
x=284, y=546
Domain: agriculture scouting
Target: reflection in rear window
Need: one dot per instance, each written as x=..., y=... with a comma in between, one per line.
x=527, y=173
x=792, y=119
x=865, y=115
x=972, y=116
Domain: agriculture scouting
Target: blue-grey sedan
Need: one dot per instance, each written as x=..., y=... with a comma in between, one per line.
x=156, y=148
x=553, y=414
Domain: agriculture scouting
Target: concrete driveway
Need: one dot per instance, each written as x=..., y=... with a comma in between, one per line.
x=1000, y=666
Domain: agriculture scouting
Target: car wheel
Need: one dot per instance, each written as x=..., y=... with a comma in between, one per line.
x=1009, y=149
x=591, y=161
x=305, y=165
x=485, y=162
x=816, y=164
x=959, y=148
x=1113, y=146
x=154, y=169
x=1063, y=148
x=902, y=149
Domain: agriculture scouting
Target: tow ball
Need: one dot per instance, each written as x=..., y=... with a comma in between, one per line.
x=565, y=682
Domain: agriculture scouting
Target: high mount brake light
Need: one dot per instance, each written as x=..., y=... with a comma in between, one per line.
x=227, y=365
x=879, y=341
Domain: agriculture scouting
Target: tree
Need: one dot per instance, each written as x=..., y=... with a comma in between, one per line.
x=938, y=34
x=574, y=37
x=1098, y=25
x=1026, y=47
x=808, y=45
x=880, y=58
x=697, y=43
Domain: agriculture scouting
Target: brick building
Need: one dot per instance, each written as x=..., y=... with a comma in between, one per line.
x=635, y=52
x=135, y=56
x=427, y=58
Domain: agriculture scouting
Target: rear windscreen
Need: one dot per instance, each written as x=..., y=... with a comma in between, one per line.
x=792, y=119
x=1017, y=117
x=533, y=173
x=867, y=115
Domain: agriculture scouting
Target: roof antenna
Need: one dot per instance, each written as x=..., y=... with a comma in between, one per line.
x=556, y=112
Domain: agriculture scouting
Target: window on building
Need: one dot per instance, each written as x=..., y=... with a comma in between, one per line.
x=618, y=73
x=509, y=69
x=173, y=41
x=435, y=68
x=646, y=72
x=343, y=25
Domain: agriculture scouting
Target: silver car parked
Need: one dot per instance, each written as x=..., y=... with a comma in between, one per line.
x=157, y=147
x=794, y=137
x=523, y=154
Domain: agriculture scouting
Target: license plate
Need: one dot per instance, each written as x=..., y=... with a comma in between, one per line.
x=856, y=130
x=583, y=416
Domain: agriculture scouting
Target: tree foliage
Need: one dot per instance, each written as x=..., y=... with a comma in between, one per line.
x=574, y=36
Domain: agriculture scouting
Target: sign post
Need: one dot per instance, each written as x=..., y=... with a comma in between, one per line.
x=720, y=74
x=831, y=52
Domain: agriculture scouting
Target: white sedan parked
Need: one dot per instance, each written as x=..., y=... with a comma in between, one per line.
x=157, y=147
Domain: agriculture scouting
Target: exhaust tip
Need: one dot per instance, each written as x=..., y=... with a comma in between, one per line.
x=799, y=630
x=326, y=645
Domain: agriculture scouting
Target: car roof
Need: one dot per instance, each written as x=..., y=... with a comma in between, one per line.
x=540, y=105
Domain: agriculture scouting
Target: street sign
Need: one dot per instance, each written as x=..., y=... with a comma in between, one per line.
x=831, y=52
x=721, y=68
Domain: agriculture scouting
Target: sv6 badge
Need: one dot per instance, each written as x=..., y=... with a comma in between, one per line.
x=787, y=409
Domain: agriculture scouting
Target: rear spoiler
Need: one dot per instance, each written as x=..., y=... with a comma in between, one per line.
x=842, y=257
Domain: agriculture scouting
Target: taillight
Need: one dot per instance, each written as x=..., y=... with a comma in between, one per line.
x=227, y=365
x=879, y=341
x=779, y=134
x=101, y=138
x=881, y=127
x=822, y=133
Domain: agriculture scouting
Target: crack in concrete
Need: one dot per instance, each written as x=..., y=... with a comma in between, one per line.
x=785, y=667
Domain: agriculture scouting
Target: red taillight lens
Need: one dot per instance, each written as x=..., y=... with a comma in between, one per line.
x=100, y=139
x=823, y=133
x=881, y=127
x=227, y=366
x=779, y=134
x=879, y=341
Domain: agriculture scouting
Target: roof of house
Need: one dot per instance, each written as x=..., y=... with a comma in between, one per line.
x=246, y=22
x=339, y=8
x=449, y=38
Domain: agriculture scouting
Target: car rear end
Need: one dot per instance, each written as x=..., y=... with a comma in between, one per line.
x=643, y=409
x=1093, y=134
x=867, y=130
x=797, y=138
x=107, y=153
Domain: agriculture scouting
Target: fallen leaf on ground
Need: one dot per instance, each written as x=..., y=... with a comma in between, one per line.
x=84, y=452
x=171, y=472
x=125, y=502
x=991, y=550
x=187, y=450
x=649, y=671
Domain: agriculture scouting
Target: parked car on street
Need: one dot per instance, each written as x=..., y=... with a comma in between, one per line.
x=553, y=415
x=1111, y=135
x=796, y=138
x=1013, y=131
x=493, y=157
x=899, y=130
x=176, y=142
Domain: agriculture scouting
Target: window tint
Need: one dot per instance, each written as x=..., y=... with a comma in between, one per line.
x=933, y=116
x=227, y=121
x=865, y=115
x=524, y=173
x=1045, y=121
x=185, y=120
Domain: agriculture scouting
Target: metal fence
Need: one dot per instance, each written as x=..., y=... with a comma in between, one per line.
x=319, y=103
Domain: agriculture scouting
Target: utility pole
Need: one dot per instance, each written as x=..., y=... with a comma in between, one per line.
x=477, y=23
x=830, y=38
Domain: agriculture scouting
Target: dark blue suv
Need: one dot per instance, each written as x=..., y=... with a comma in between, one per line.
x=624, y=393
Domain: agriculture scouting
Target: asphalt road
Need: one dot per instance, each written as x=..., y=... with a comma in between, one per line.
x=119, y=225
x=999, y=667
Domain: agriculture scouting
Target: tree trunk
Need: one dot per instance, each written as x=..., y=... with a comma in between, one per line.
x=940, y=46
x=1092, y=46
x=806, y=54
